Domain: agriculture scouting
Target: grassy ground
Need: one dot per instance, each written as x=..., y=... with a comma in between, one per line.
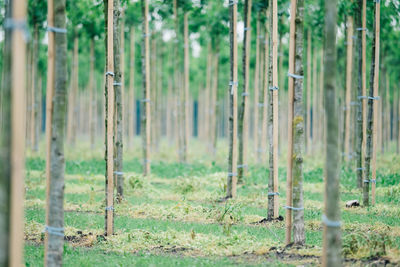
x=173, y=218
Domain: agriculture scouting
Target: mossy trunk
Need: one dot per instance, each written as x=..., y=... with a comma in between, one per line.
x=55, y=201
x=298, y=132
x=332, y=234
x=5, y=143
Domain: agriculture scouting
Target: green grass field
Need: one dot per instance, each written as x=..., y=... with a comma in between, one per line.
x=173, y=217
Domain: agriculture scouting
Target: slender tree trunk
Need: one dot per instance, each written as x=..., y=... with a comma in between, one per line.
x=109, y=116
x=146, y=119
x=359, y=121
x=349, y=72
x=12, y=137
x=244, y=110
x=186, y=86
x=131, y=99
x=308, y=104
x=289, y=184
x=35, y=91
x=72, y=107
x=364, y=77
x=55, y=196
x=256, y=90
x=232, y=158
x=298, y=132
x=332, y=243
x=92, y=98
x=118, y=87
x=370, y=157
x=214, y=104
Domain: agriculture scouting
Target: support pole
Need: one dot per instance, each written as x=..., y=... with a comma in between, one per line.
x=289, y=189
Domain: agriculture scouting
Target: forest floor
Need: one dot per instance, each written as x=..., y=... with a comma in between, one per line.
x=173, y=217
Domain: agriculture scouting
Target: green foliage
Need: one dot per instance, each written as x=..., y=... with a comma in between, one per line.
x=392, y=194
x=135, y=182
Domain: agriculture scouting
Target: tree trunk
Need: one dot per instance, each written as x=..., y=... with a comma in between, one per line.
x=118, y=85
x=131, y=99
x=186, y=86
x=244, y=109
x=35, y=91
x=146, y=120
x=109, y=116
x=55, y=196
x=232, y=158
x=72, y=106
x=289, y=189
x=92, y=98
x=298, y=132
x=308, y=104
x=364, y=77
x=370, y=157
x=214, y=101
x=332, y=244
x=349, y=72
x=256, y=90
x=359, y=121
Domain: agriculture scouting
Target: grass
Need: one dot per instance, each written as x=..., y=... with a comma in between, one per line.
x=173, y=218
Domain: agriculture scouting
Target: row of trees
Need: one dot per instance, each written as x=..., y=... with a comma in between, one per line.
x=184, y=20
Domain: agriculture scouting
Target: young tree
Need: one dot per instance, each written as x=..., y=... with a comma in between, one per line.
x=298, y=130
x=146, y=123
x=349, y=72
x=244, y=109
x=118, y=104
x=54, y=238
x=109, y=116
x=289, y=189
x=233, y=85
x=372, y=111
x=12, y=135
x=360, y=96
x=273, y=89
x=331, y=237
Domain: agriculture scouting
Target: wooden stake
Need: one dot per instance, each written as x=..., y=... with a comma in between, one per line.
x=256, y=89
x=18, y=112
x=49, y=110
x=110, y=120
x=275, y=101
x=289, y=189
x=376, y=92
x=232, y=159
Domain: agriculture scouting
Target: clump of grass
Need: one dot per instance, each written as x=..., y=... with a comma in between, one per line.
x=186, y=186
x=392, y=194
x=361, y=244
x=135, y=182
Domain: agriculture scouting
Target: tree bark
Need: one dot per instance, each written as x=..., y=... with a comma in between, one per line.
x=35, y=124
x=332, y=244
x=55, y=199
x=109, y=116
x=92, y=98
x=349, y=72
x=256, y=89
x=131, y=98
x=359, y=121
x=298, y=132
x=244, y=109
x=308, y=104
x=232, y=158
x=146, y=119
x=118, y=111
